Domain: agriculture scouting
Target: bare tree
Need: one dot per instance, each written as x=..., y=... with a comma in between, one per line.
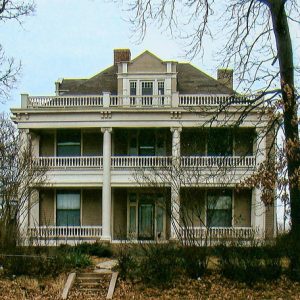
x=9, y=68
x=18, y=177
x=258, y=45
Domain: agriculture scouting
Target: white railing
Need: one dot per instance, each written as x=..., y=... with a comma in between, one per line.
x=218, y=161
x=213, y=100
x=144, y=101
x=217, y=232
x=185, y=100
x=65, y=231
x=147, y=161
x=65, y=101
x=140, y=161
x=70, y=162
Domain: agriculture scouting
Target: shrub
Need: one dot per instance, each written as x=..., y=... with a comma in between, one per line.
x=127, y=263
x=194, y=261
x=24, y=261
x=250, y=264
x=95, y=249
x=159, y=264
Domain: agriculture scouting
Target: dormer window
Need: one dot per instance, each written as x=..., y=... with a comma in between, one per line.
x=147, y=88
x=161, y=87
x=132, y=88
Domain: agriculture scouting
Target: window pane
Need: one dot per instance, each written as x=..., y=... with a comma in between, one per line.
x=219, y=142
x=147, y=88
x=68, y=143
x=219, y=208
x=132, y=219
x=68, y=200
x=68, y=218
x=159, y=219
x=133, y=88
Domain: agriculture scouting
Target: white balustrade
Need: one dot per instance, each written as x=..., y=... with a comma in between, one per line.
x=70, y=162
x=65, y=101
x=185, y=100
x=218, y=161
x=217, y=232
x=146, y=161
x=140, y=161
x=213, y=100
x=65, y=231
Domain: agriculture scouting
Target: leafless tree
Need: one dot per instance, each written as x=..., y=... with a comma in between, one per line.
x=258, y=46
x=9, y=68
x=18, y=177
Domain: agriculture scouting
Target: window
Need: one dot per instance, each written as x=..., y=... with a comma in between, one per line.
x=68, y=142
x=219, y=142
x=219, y=208
x=132, y=88
x=147, y=88
x=161, y=88
x=243, y=141
x=68, y=208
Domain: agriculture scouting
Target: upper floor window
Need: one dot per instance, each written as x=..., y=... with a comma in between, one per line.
x=161, y=88
x=68, y=142
x=132, y=88
x=147, y=88
x=219, y=208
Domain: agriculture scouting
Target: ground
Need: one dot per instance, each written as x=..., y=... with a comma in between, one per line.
x=212, y=286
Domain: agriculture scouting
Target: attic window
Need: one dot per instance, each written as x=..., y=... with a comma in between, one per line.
x=147, y=88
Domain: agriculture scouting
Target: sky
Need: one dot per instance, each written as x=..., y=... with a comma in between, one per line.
x=76, y=38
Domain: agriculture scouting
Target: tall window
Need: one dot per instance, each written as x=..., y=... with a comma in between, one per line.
x=219, y=142
x=219, y=208
x=161, y=88
x=132, y=88
x=147, y=88
x=68, y=208
x=68, y=142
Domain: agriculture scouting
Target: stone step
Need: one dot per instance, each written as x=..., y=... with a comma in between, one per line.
x=89, y=275
x=89, y=284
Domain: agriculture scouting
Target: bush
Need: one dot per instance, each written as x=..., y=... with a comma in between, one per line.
x=95, y=249
x=289, y=246
x=25, y=261
x=127, y=263
x=194, y=260
x=250, y=264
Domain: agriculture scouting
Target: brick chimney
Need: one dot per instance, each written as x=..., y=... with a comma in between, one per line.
x=121, y=55
x=225, y=76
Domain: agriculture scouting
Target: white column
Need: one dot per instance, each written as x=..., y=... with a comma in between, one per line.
x=175, y=183
x=106, y=189
x=34, y=209
x=258, y=207
x=23, y=205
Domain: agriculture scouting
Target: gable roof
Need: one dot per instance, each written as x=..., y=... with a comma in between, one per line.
x=190, y=80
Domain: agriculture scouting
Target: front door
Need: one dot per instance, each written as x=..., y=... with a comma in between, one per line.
x=146, y=221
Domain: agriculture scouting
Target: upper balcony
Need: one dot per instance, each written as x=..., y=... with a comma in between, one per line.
x=120, y=101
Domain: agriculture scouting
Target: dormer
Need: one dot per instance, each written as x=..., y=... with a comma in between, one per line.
x=146, y=75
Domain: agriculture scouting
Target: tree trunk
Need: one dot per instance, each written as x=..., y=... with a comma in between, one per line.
x=285, y=58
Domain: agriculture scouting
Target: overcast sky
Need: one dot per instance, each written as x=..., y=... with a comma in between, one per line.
x=76, y=38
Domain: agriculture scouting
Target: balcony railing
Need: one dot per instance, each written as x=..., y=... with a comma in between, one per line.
x=218, y=161
x=140, y=161
x=65, y=101
x=71, y=162
x=213, y=100
x=217, y=233
x=147, y=162
x=142, y=101
x=65, y=232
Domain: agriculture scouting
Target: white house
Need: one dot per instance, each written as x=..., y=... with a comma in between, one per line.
x=108, y=139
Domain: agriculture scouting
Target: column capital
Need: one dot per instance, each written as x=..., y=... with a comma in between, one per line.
x=106, y=129
x=174, y=129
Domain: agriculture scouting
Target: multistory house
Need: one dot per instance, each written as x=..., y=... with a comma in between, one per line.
x=145, y=150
